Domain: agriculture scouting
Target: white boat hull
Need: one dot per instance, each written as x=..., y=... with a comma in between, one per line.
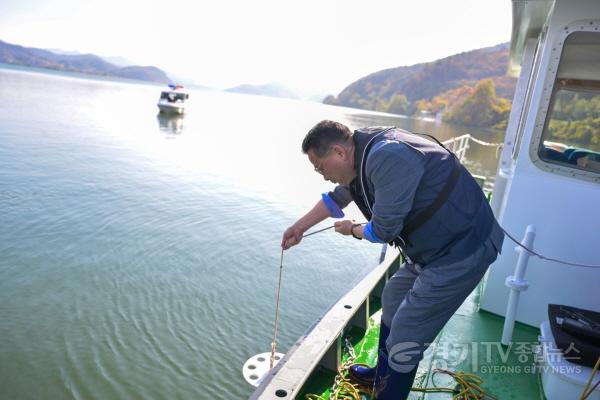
x=166, y=108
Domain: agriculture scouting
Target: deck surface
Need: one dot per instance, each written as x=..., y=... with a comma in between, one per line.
x=470, y=343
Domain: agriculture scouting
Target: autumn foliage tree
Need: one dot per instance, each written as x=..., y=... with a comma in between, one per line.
x=481, y=108
x=398, y=104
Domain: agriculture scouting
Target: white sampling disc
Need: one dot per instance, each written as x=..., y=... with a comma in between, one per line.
x=257, y=367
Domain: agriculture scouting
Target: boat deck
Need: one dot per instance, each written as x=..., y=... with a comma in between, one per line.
x=470, y=342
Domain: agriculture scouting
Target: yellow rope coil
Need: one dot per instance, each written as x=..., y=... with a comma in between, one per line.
x=343, y=388
x=468, y=385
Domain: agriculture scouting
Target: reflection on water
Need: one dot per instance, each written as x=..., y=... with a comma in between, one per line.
x=170, y=124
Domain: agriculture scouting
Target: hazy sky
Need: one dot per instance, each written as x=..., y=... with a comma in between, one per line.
x=313, y=46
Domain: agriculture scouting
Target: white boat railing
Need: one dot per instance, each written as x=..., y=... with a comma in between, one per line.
x=459, y=145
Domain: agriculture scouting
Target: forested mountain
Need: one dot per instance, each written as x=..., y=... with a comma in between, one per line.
x=437, y=86
x=85, y=63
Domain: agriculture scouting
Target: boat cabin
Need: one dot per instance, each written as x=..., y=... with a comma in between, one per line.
x=172, y=101
x=174, y=96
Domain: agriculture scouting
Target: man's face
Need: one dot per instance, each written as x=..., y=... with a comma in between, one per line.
x=330, y=165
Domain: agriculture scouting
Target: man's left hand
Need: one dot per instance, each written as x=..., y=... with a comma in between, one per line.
x=344, y=227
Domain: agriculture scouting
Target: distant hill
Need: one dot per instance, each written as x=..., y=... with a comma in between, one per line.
x=151, y=74
x=268, y=89
x=411, y=88
x=86, y=63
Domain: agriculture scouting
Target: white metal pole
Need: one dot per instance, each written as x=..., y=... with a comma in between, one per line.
x=517, y=284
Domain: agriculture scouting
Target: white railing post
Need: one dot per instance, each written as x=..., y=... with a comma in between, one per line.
x=458, y=145
x=464, y=145
x=517, y=284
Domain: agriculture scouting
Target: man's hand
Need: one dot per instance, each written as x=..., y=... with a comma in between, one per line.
x=344, y=227
x=291, y=237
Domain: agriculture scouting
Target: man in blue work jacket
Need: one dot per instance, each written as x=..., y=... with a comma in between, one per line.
x=416, y=195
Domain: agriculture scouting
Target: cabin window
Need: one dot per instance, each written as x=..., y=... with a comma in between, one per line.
x=174, y=97
x=572, y=132
x=571, y=136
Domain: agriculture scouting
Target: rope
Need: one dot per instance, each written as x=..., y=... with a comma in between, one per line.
x=548, y=258
x=343, y=388
x=468, y=385
x=585, y=394
x=320, y=230
x=274, y=342
x=478, y=141
x=324, y=229
x=481, y=142
x=542, y=257
x=591, y=390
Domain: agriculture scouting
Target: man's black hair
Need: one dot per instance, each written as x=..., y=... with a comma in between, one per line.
x=323, y=135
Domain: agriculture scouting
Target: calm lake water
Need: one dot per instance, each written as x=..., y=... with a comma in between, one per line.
x=139, y=256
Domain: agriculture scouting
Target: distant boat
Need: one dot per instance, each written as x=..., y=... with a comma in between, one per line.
x=172, y=101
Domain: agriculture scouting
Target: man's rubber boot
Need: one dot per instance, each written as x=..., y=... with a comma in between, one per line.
x=389, y=383
x=362, y=374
